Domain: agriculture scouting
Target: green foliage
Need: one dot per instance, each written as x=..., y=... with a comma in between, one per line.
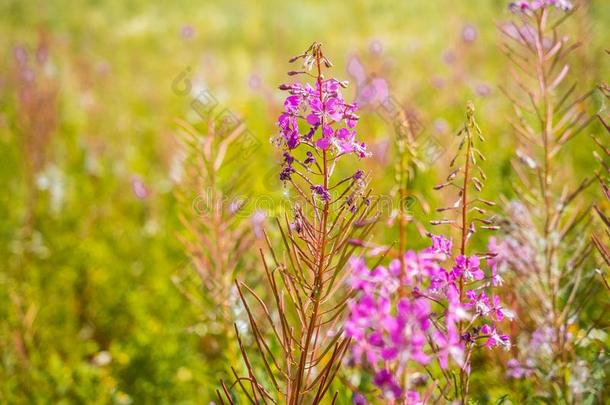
x=88, y=310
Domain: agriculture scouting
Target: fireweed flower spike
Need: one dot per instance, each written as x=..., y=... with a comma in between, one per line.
x=546, y=247
x=317, y=118
x=449, y=309
x=467, y=279
x=306, y=282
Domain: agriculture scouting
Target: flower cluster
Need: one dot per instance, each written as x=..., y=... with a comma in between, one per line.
x=320, y=107
x=391, y=329
x=533, y=5
x=383, y=330
x=320, y=118
x=518, y=370
x=316, y=128
x=537, y=352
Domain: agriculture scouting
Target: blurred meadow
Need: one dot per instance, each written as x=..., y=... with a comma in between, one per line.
x=100, y=299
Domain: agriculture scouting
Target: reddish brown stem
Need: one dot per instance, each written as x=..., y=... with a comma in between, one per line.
x=319, y=273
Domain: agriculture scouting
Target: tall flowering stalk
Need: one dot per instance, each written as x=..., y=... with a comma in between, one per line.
x=434, y=307
x=602, y=176
x=36, y=90
x=317, y=130
x=545, y=248
x=469, y=179
x=408, y=161
x=37, y=115
x=216, y=235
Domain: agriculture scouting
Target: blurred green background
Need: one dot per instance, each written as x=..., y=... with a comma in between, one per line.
x=89, y=160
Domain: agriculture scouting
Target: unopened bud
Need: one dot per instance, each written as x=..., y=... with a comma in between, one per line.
x=356, y=242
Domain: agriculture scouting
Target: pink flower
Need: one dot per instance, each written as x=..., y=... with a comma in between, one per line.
x=258, y=220
x=413, y=398
x=384, y=380
x=478, y=301
x=518, y=370
x=468, y=266
x=533, y=5
x=389, y=330
x=496, y=278
x=323, y=104
x=139, y=188
x=498, y=311
x=449, y=346
x=383, y=330
x=484, y=307
x=494, y=339
x=358, y=399
x=372, y=91
x=441, y=246
x=320, y=118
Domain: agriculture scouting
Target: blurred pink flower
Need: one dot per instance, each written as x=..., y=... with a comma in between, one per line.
x=140, y=190
x=187, y=32
x=258, y=220
x=469, y=33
